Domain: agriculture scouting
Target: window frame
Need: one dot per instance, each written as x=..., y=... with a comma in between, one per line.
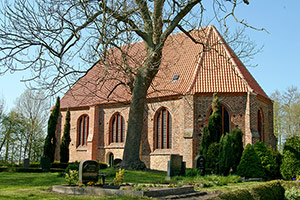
x=116, y=133
x=165, y=124
x=82, y=130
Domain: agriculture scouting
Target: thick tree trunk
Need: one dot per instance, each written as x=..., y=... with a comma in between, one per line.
x=144, y=77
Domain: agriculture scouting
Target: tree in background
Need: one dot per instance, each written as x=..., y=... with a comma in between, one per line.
x=291, y=158
x=89, y=30
x=50, y=141
x=250, y=165
x=34, y=108
x=286, y=114
x=66, y=139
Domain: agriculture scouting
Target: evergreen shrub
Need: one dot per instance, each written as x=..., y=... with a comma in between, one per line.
x=267, y=161
x=250, y=165
x=290, y=166
x=66, y=139
x=237, y=148
x=226, y=154
x=212, y=156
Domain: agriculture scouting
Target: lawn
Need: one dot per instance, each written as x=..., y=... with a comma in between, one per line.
x=35, y=186
x=38, y=185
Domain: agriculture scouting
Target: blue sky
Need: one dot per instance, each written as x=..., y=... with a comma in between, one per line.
x=278, y=65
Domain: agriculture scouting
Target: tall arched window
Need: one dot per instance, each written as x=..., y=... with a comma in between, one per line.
x=163, y=129
x=225, y=120
x=260, y=125
x=82, y=130
x=117, y=129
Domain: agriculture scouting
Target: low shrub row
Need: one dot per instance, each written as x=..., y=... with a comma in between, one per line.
x=272, y=190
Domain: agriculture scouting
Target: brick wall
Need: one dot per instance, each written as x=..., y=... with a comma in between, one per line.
x=189, y=115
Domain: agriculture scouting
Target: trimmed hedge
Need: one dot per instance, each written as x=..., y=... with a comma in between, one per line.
x=272, y=190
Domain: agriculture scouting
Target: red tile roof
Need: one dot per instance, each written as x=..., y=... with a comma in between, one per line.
x=214, y=69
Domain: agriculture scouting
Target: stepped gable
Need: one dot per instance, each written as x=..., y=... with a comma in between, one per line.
x=186, y=68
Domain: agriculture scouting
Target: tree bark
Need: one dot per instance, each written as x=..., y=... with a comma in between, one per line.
x=144, y=77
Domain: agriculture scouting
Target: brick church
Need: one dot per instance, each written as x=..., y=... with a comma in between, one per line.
x=178, y=102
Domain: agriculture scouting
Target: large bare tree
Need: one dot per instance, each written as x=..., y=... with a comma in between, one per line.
x=51, y=38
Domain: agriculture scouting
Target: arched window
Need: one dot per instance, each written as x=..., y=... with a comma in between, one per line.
x=163, y=129
x=82, y=130
x=225, y=120
x=117, y=129
x=260, y=125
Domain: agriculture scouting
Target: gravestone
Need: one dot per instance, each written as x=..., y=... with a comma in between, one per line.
x=175, y=166
x=26, y=163
x=45, y=164
x=199, y=163
x=88, y=171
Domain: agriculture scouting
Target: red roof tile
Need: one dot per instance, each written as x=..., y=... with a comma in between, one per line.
x=216, y=69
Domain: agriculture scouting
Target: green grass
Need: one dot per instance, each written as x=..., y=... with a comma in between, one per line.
x=36, y=186
x=132, y=176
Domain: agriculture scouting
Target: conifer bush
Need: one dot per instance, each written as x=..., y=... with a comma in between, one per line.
x=226, y=154
x=250, y=164
x=50, y=141
x=267, y=161
x=237, y=148
x=215, y=120
x=213, y=156
x=66, y=139
x=290, y=166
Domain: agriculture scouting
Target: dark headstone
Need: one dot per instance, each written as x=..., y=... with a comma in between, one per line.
x=26, y=163
x=88, y=171
x=117, y=161
x=175, y=166
x=45, y=164
x=200, y=164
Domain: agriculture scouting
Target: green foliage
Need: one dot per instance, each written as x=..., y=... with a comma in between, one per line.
x=226, y=154
x=118, y=180
x=50, y=141
x=73, y=166
x=292, y=193
x=66, y=139
x=250, y=165
x=270, y=190
x=277, y=157
x=212, y=156
x=291, y=158
x=267, y=161
x=72, y=177
x=205, y=142
x=191, y=172
x=237, y=148
x=102, y=165
x=215, y=121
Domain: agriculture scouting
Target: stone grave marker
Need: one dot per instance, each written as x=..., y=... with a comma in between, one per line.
x=88, y=171
x=26, y=163
x=45, y=164
x=175, y=166
x=199, y=163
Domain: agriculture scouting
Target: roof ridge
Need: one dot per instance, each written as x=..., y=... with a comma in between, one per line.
x=196, y=72
x=230, y=56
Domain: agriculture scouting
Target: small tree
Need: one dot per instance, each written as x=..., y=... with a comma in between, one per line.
x=50, y=141
x=226, y=154
x=250, y=165
x=291, y=158
x=267, y=161
x=212, y=156
x=215, y=120
x=66, y=139
x=237, y=147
